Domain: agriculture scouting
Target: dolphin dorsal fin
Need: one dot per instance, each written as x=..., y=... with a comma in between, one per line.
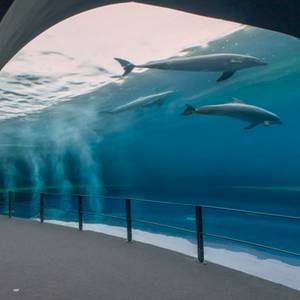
x=235, y=100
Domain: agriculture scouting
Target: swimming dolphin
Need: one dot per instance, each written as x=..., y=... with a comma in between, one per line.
x=226, y=63
x=142, y=102
x=238, y=110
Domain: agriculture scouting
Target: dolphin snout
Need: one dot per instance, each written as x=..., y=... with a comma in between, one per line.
x=263, y=63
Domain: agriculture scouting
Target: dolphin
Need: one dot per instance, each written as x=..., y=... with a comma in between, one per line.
x=142, y=102
x=226, y=63
x=238, y=110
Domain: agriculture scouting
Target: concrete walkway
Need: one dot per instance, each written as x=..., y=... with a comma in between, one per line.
x=46, y=261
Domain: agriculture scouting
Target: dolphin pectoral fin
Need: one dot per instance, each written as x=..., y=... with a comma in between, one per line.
x=266, y=123
x=251, y=126
x=159, y=104
x=225, y=76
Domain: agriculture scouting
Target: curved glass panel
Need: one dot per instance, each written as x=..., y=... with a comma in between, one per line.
x=183, y=109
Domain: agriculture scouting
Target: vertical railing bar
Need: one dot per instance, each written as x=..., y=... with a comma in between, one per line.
x=199, y=225
x=79, y=212
x=42, y=207
x=10, y=204
x=128, y=217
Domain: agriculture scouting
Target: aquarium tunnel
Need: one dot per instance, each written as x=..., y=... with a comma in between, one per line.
x=186, y=110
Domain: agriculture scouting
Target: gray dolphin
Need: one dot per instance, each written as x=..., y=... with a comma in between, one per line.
x=226, y=63
x=238, y=110
x=142, y=102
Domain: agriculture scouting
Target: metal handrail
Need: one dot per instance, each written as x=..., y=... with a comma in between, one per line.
x=171, y=203
x=198, y=215
x=163, y=225
x=250, y=243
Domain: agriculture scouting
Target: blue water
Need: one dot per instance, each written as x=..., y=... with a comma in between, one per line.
x=155, y=153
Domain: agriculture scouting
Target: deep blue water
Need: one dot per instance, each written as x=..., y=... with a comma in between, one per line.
x=155, y=153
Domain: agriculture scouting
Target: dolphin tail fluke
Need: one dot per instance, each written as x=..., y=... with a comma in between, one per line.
x=127, y=65
x=225, y=76
x=189, y=110
x=251, y=126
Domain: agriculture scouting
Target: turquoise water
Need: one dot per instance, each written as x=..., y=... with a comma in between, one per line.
x=156, y=153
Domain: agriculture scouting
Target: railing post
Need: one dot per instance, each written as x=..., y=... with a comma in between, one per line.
x=42, y=207
x=128, y=217
x=199, y=225
x=80, y=212
x=9, y=204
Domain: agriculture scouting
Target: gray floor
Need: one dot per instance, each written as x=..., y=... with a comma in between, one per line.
x=46, y=261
